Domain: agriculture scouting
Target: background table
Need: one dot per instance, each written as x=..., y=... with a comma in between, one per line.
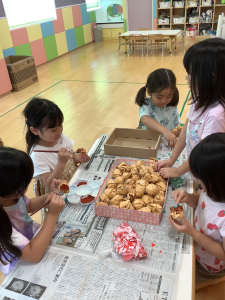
x=171, y=34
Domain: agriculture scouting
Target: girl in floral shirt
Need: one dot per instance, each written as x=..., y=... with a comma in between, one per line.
x=207, y=163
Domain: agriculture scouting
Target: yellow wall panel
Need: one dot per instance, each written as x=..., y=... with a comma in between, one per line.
x=1, y=53
x=87, y=33
x=68, y=18
x=61, y=43
x=124, y=9
x=5, y=36
x=34, y=32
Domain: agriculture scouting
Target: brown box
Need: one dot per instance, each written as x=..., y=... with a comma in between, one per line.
x=133, y=143
x=22, y=71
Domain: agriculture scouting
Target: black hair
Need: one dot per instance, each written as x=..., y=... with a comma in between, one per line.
x=157, y=81
x=207, y=163
x=16, y=172
x=205, y=62
x=40, y=113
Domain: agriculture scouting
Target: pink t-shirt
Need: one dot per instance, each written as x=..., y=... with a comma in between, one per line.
x=210, y=220
x=201, y=125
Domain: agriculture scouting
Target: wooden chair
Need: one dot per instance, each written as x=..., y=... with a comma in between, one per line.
x=121, y=42
x=165, y=40
x=152, y=38
x=136, y=40
x=176, y=43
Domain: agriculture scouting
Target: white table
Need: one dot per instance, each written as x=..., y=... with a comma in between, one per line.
x=171, y=34
x=186, y=276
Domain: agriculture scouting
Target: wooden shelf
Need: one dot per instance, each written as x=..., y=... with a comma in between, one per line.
x=206, y=6
x=205, y=22
x=192, y=6
x=178, y=7
x=178, y=23
x=165, y=8
x=219, y=4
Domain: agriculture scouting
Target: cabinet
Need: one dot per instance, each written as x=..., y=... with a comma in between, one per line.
x=111, y=33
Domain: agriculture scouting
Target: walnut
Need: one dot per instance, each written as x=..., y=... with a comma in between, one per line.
x=143, y=170
x=110, y=192
x=114, y=205
x=159, y=199
x=126, y=175
x=147, y=177
x=130, y=207
x=133, y=166
x=125, y=169
x=161, y=193
x=134, y=171
x=127, y=181
x=151, y=169
x=110, y=184
x=116, y=173
x=138, y=203
x=125, y=204
x=102, y=203
x=119, y=180
x=177, y=130
x=161, y=186
x=121, y=165
x=158, y=208
x=104, y=198
x=142, y=182
x=131, y=196
x=131, y=188
x=137, y=166
x=140, y=163
x=135, y=177
x=140, y=190
x=152, y=189
x=147, y=199
x=117, y=199
x=132, y=181
x=153, y=206
x=161, y=179
x=145, y=209
x=154, y=178
x=153, y=159
x=122, y=189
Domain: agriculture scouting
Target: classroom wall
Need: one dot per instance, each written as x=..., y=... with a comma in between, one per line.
x=46, y=41
x=125, y=15
x=101, y=14
x=140, y=14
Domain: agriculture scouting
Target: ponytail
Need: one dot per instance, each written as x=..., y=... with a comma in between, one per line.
x=141, y=96
x=8, y=251
x=40, y=113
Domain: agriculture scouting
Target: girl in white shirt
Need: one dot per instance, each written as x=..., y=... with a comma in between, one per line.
x=158, y=101
x=44, y=121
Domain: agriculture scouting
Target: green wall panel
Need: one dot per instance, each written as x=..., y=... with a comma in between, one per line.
x=79, y=36
x=50, y=47
x=23, y=49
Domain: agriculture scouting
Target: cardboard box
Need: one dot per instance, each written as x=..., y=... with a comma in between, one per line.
x=126, y=214
x=133, y=143
x=22, y=71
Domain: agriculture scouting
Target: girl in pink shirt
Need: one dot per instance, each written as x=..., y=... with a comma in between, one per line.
x=205, y=66
x=207, y=163
x=17, y=229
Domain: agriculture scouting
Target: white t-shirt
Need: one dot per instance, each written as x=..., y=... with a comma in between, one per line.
x=46, y=162
x=167, y=116
x=210, y=220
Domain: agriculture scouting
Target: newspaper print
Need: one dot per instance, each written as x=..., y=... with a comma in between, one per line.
x=68, y=276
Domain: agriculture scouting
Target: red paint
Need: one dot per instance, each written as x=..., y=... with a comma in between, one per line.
x=64, y=188
x=153, y=245
x=87, y=199
x=160, y=251
x=81, y=183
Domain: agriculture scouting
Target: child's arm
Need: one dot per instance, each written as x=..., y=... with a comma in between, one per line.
x=154, y=125
x=180, y=145
x=181, y=196
x=63, y=157
x=35, y=250
x=214, y=248
x=37, y=202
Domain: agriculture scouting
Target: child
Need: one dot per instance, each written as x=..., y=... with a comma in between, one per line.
x=159, y=111
x=44, y=134
x=17, y=228
x=205, y=66
x=207, y=162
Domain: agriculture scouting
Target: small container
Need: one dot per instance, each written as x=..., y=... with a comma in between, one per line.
x=83, y=191
x=73, y=199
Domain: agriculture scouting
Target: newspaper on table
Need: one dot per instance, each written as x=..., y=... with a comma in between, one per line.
x=72, y=269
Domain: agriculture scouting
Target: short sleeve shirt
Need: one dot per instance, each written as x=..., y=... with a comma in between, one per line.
x=167, y=116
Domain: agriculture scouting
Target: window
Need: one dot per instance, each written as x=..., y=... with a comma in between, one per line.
x=21, y=13
x=93, y=4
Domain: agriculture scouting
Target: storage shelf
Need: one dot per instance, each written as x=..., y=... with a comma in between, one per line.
x=206, y=6
x=178, y=23
x=165, y=8
x=219, y=4
x=178, y=7
x=205, y=22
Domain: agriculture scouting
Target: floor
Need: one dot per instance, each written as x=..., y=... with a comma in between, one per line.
x=95, y=88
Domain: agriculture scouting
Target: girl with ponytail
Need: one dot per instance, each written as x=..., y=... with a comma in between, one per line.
x=17, y=229
x=158, y=101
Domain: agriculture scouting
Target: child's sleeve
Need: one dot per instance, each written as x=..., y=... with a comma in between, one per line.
x=40, y=166
x=176, y=118
x=144, y=111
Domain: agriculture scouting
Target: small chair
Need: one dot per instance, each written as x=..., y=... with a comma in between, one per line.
x=155, y=37
x=120, y=42
x=175, y=43
x=136, y=40
x=165, y=40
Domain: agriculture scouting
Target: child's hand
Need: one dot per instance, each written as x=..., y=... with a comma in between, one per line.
x=186, y=227
x=55, y=184
x=170, y=137
x=63, y=155
x=180, y=196
x=56, y=205
x=83, y=158
x=164, y=164
x=169, y=173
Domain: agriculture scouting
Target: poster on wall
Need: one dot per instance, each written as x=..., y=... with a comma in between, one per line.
x=110, y=12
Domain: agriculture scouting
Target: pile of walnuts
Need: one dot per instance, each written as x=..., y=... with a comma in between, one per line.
x=136, y=187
